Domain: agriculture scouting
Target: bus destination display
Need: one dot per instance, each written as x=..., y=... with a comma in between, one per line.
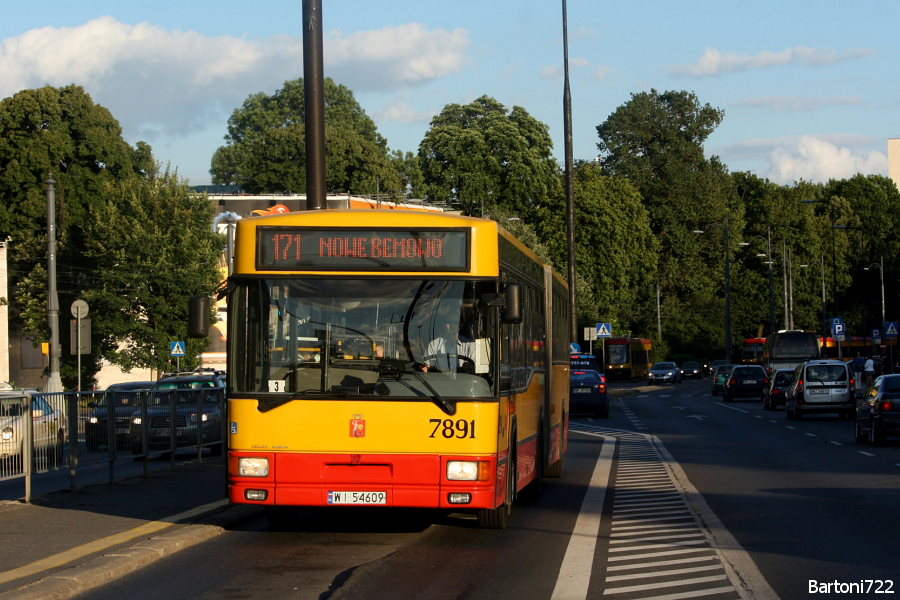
x=305, y=249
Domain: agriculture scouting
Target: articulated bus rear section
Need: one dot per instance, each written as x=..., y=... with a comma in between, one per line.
x=392, y=360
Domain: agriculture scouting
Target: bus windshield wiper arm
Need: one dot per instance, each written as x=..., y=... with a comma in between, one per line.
x=445, y=405
x=267, y=404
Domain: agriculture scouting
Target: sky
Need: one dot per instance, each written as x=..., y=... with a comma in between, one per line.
x=810, y=90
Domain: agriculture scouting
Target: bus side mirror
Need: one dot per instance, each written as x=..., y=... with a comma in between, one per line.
x=512, y=312
x=198, y=316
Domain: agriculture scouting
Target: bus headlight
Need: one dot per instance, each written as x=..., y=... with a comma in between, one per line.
x=253, y=467
x=6, y=434
x=468, y=470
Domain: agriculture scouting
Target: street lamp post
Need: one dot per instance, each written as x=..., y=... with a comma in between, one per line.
x=880, y=270
x=768, y=255
x=837, y=308
x=728, y=342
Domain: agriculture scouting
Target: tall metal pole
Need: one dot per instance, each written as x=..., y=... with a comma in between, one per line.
x=791, y=285
x=570, y=187
x=771, y=286
x=882, y=300
x=727, y=296
x=784, y=270
x=54, y=382
x=824, y=309
x=314, y=100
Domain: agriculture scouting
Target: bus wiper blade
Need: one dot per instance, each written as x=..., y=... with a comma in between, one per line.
x=267, y=404
x=445, y=405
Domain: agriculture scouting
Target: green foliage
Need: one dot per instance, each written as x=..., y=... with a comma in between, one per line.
x=477, y=157
x=154, y=248
x=265, y=148
x=616, y=253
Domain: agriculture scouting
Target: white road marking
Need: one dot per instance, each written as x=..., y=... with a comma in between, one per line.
x=575, y=571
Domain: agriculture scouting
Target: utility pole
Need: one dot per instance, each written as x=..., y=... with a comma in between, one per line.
x=54, y=382
x=570, y=194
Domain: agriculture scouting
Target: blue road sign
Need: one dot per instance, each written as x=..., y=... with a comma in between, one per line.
x=838, y=328
x=176, y=348
x=604, y=330
x=890, y=329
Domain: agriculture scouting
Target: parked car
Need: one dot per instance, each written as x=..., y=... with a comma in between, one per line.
x=187, y=390
x=48, y=426
x=691, y=369
x=820, y=386
x=124, y=398
x=878, y=413
x=719, y=375
x=588, y=393
x=710, y=368
x=779, y=382
x=745, y=381
x=664, y=372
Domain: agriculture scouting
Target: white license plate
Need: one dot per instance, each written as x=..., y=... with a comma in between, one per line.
x=817, y=391
x=582, y=390
x=749, y=381
x=357, y=498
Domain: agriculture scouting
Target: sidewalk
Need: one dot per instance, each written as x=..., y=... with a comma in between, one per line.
x=65, y=543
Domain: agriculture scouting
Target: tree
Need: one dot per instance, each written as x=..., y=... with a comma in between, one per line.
x=58, y=131
x=655, y=141
x=616, y=253
x=153, y=246
x=265, y=148
x=478, y=156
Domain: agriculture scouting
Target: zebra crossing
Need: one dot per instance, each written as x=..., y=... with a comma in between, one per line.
x=653, y=542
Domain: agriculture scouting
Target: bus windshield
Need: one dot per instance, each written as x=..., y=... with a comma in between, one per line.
x=795, y=344
x=362, y=337
x=617, y=355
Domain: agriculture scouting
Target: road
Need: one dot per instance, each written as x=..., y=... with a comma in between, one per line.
x=778, y=503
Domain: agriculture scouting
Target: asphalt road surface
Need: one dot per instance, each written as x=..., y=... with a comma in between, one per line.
x=676, y=495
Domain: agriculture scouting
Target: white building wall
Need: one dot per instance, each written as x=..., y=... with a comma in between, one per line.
x=894, y=160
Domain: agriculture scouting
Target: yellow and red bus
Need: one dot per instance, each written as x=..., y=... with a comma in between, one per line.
x=627, y=357
x=392, y=359
x=752, y=351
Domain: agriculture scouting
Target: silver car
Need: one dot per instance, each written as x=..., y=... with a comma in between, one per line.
x=48, y=426
x=664, y=372
x=821, y=386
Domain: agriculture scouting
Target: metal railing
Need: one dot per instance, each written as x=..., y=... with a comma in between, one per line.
x=81, y=429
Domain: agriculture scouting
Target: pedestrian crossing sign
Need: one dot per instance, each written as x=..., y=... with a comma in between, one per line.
x=604, y=330
x=176, y=348
x=890, y=329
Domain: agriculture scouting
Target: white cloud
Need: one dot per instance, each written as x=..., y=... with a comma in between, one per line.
x=175, y=82
x=811, y=158
x=795, y=104
x=713, y=62
x=401, y=112
x=600, y=72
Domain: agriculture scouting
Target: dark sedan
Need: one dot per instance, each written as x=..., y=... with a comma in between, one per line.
x=691, y=369
x=588, y=393
x=747, y=381
x=125, y=397
x=878, y=414
x=773, y=395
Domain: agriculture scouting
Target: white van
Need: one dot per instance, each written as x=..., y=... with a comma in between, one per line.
x=821, y=386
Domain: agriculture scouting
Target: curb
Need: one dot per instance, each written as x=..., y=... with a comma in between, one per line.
x=103, y=569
